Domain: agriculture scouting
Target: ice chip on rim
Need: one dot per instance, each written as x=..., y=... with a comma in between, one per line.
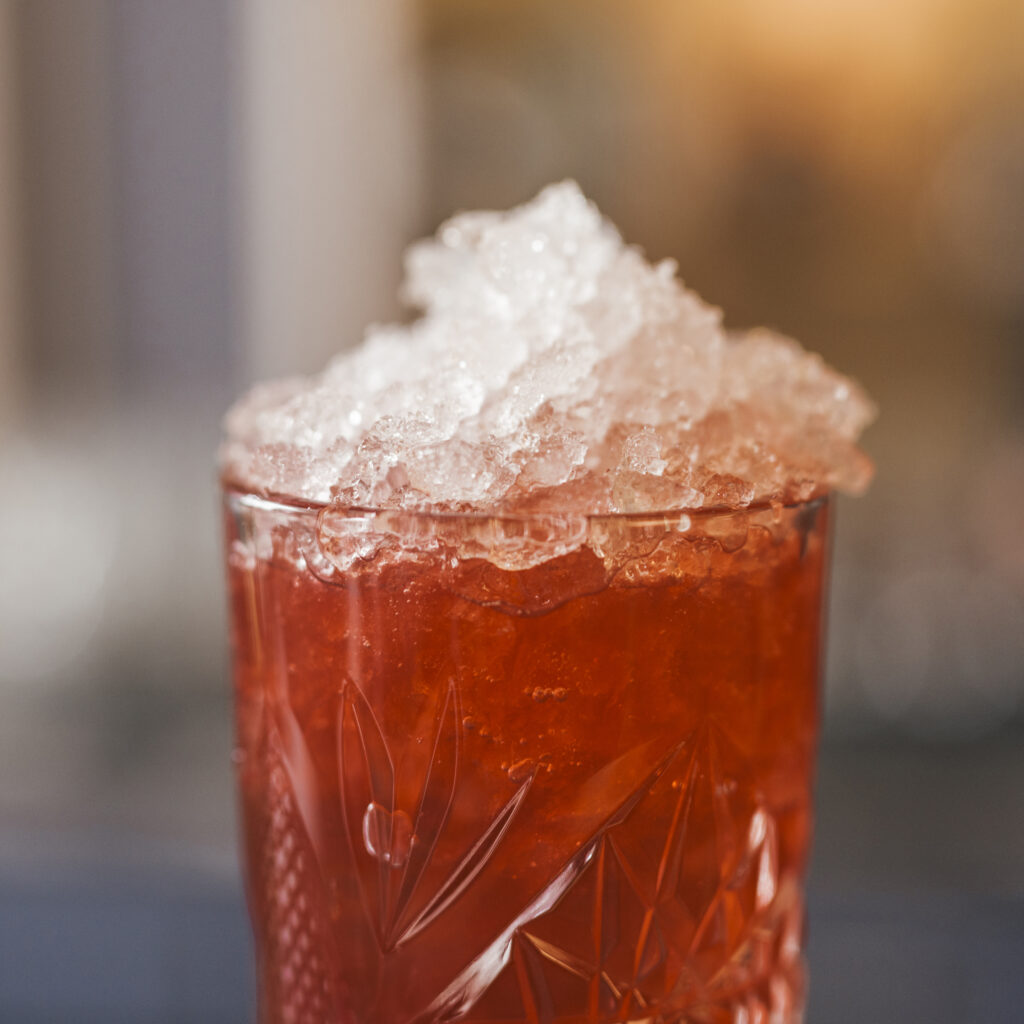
x=553, y=368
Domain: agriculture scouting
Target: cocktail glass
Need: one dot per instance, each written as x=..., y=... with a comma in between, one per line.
x=526, y=767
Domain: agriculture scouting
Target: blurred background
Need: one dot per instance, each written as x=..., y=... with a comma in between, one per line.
x=198, y=194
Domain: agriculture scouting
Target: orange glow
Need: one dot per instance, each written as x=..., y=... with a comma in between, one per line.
x=867, y=85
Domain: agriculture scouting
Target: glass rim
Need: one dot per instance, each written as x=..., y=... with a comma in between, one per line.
x=271, y=502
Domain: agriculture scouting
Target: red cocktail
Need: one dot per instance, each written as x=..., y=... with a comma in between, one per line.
x=579, y=791
x=526, y=606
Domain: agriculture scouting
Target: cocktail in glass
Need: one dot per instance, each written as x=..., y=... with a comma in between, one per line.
x=575, y=792
x=527, y=611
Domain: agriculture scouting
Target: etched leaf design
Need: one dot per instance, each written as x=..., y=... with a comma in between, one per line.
x=367, y=781
x=392, y=851
x=469, y=867
x=436, y=799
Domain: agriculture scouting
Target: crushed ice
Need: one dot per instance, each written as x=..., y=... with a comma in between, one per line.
x=553, y=369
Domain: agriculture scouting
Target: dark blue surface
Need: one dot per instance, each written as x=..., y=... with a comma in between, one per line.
x=938, y=958
x=166, y=948
x=138, y=950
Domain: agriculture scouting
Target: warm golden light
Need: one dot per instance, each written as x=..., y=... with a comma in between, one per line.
x=827, y=35
x=870, y=86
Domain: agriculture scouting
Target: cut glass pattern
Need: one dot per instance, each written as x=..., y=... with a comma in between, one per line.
x=699, y=926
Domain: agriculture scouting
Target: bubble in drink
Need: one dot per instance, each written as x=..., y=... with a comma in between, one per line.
x=526, y=609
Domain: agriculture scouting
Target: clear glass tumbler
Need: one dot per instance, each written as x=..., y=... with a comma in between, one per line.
x=526, y=768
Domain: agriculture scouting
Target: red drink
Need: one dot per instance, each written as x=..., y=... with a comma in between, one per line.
x=574, y=792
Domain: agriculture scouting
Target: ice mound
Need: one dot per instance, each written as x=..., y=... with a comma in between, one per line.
x=553, y=369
